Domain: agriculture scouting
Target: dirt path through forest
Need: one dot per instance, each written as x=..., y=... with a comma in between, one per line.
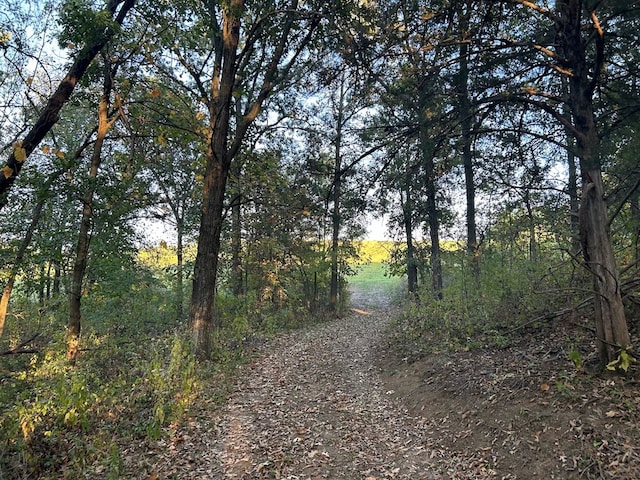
x=313, y=406
x=316, y=408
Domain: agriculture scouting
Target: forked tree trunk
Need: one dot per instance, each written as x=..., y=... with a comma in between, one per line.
x=218, y=160
x=223, y=147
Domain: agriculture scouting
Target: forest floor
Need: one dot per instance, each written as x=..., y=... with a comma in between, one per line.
x=337, y=402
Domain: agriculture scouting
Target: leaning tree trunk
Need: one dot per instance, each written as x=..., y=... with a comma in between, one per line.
x=51, y=111
x=6, y=293
x=611, y=324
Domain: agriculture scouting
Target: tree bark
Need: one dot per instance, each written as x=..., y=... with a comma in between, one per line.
x=50, y=113
x=84, y=236
x=572, y=170
x=466, y=122
x=218, y=161
x=611, y=325
x=336, y=216
x=222, y=148
x=432, y=209
x=237, y=274
x=407, y=217
x=180, y=269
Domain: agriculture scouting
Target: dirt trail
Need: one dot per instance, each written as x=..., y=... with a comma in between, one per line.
x=314, y=406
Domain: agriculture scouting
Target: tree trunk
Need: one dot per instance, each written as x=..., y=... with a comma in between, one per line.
x=432, y=210
x=236, y=234
x=407, y=217
x=533, y=248
x=84, y=237
x=6, y=293
x=572, y=170
x=466, y=121
x=611, y=325
x=218, y=161
x=50, y=113
x=57, y=273
x=336, y=217
x=180, y=270
x=205, y=272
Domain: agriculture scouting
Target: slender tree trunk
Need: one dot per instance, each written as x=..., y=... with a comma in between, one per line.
x=407, y=217
x=611, y=325
x=432, y=210
x=48, y=287
x=236, y=233
x=533, y=245
x=466, y=121
x=572, y=170
x=180, y=270
x=57, y=273
x=6, y=293
x=42, y=283
x=336, y=216
x=634, y=202
x=84, y=236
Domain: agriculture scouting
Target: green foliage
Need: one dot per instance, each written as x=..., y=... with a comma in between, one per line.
x=483, y=312
x=623, y=362
x=82, y=23
x=134, y=380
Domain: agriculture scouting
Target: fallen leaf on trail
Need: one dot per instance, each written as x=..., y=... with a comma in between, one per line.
x=544, y=387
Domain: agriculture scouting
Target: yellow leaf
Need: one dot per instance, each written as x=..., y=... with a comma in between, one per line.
x=20, y=154
x=155, y=93
x=60, y=154
x=162, y=141
x=46, y=149
x=199, y=116
x=7, y=171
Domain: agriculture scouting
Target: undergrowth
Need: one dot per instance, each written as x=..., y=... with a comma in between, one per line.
x=135, y=382
x=489, y=310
